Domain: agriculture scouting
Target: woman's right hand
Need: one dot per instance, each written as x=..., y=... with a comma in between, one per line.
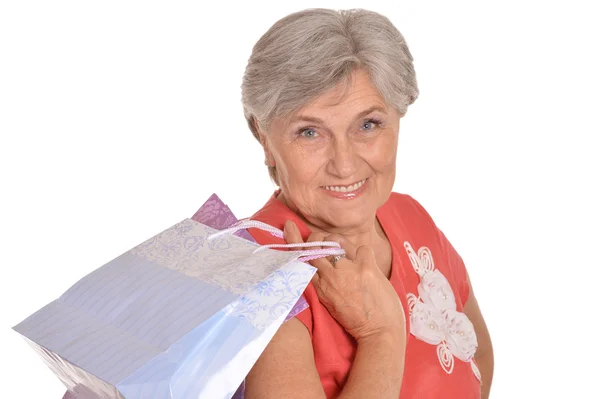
x=354, y=291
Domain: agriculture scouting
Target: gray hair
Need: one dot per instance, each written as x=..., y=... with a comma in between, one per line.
x=310, y=52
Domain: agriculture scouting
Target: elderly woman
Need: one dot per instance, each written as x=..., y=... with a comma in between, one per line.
x=324, y=92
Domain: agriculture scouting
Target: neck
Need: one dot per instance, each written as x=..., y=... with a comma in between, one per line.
x=369, y=233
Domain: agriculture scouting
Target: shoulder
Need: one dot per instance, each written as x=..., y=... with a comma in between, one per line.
x=402, y=201
x=276, y=213
x=422, y=232
x=405, y=207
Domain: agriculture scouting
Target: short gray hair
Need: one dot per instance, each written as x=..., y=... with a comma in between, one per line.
x=310, y=52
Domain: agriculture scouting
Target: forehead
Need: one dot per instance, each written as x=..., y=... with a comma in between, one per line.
x=350, y=96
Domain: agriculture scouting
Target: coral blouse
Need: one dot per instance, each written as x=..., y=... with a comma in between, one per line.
x=430, y=371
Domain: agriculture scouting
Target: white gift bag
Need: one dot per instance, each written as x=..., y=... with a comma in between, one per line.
x=185, y=314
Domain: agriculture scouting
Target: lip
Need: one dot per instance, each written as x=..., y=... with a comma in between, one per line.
x=347, y=195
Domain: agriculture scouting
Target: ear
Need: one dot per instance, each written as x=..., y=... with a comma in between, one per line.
x=264, y=141
x=269, y=159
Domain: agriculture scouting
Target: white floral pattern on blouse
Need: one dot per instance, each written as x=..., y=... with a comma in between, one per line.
x=433, y=315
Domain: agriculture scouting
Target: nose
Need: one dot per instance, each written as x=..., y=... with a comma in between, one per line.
x=343, y=158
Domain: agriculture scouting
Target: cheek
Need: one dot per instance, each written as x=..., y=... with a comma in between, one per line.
x=382, y=155
x=297, y=168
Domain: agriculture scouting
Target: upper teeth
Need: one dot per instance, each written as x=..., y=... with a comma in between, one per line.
x=345, y=189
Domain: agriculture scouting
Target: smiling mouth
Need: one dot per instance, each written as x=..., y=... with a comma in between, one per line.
x=346, y=189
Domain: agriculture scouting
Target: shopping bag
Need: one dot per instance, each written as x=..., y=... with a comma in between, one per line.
x=184, y=314
x=216, y=214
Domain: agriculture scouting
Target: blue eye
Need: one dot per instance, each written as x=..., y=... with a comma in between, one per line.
x=308, y=133
x=370, y=124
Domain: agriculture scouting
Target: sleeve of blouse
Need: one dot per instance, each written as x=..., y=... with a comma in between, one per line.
x=306, y=316
x=457, y=266
x=455, y=262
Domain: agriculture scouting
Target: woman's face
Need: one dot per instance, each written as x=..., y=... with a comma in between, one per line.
x=336, y=156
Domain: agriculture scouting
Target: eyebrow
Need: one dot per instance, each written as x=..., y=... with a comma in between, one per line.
x=364, y=113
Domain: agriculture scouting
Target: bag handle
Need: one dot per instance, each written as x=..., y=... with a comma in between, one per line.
x=332, y=248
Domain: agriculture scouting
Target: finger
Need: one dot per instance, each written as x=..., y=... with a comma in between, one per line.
x=366, y=257
x=315, y=278
x=316, y=236
x=341, y=262
x=322, y=263
x=291, y=233
x=345, y=244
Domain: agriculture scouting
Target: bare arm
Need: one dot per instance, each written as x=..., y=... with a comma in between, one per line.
x=286, y=369
x=485, y=352
x=377, y=369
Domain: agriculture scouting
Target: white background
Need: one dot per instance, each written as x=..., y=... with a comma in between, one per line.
x=119, y=118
